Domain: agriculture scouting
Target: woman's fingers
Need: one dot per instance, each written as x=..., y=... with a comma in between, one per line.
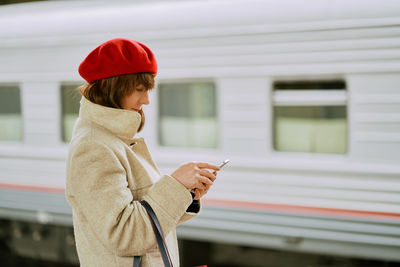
x=205, y=165
x=197, y=194
x=196, y=174
x=208, y=174
x=205, y=178
x=203, y=182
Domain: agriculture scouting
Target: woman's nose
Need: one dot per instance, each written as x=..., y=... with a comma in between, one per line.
x=145, y=98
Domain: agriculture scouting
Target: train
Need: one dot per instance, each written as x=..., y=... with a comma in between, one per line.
x=303, y=97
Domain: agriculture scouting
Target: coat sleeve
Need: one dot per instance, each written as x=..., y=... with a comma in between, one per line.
x=97, y=189
x=192, y=211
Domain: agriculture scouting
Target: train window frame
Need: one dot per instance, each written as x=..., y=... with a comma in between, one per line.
x=158, y=118
x=20, y=137
x=62, y=123
x=331, y=93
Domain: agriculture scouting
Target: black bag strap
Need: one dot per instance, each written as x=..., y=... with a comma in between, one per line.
x=137, y=261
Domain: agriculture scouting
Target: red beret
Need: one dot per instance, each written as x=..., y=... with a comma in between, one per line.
x=117, y=57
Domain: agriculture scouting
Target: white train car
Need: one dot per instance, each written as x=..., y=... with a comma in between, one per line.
x=302, y=96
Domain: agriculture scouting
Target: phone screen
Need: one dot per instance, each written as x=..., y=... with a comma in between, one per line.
x=223, y=163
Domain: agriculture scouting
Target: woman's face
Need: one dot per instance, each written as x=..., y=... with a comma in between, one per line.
x=136, y=100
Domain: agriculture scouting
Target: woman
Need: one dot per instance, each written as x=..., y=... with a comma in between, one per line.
x=109, y=170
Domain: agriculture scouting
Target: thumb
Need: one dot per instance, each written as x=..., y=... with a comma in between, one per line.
x=197, y=194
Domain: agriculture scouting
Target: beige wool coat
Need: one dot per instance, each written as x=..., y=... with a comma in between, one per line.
x=108, y=172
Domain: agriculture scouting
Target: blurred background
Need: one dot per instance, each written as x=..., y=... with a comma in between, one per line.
x=302, y=96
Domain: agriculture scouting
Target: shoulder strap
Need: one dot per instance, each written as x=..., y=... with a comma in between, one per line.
x=137, y=261
x=159, y=237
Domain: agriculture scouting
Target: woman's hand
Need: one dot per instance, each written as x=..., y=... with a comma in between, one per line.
x=199, y=193
x=196, y=175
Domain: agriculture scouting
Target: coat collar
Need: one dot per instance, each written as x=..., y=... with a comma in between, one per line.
x=123, y=123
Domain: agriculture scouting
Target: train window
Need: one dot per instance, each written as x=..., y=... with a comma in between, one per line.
x=310, y=116
x=70, y=98
x=187, y=115
x=10, y=113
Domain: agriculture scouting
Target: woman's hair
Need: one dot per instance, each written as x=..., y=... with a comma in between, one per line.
x=109, y=92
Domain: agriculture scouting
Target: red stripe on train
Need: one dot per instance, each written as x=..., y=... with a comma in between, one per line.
x=246, y=205
x=300, y=209
x=32, y=188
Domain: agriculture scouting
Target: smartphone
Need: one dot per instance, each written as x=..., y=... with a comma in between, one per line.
x=224, y=163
